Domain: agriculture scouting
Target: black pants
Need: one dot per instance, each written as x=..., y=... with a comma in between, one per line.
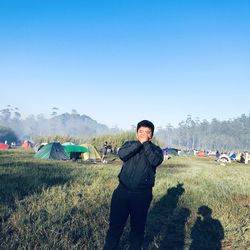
x=123, y=204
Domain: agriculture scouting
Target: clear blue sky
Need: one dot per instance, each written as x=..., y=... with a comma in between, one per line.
x=122, y=61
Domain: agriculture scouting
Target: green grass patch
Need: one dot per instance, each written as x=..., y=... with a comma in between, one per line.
x=65, y=205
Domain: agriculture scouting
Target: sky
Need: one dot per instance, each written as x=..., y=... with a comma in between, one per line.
x=123, y=61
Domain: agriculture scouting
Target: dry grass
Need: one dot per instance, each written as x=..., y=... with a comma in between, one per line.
x=65, y=205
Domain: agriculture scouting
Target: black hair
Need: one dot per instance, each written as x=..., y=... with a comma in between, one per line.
x=147, y=124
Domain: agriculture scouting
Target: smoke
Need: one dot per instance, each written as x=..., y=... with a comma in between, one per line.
x=65, y=124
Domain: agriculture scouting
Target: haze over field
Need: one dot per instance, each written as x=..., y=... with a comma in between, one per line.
x=122, y=61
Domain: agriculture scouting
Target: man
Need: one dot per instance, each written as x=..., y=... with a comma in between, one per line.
x=133, y=195
x=104, y=151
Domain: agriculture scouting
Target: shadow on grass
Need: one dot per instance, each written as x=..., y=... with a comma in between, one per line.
x=207, y=232
x=166, y=222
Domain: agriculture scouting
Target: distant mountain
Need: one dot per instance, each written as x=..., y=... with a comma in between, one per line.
x=76, y=124
x=65, y=124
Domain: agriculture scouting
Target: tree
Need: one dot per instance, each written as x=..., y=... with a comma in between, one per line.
x=7, y=134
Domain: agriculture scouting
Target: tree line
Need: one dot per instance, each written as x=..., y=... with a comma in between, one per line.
x=233, y=134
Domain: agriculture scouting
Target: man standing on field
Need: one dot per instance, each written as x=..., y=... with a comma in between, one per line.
x=133, y=195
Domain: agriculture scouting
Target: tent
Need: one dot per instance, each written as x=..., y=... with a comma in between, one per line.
x=53, y=150
x=237, y=158
x=200, y=153
x=38, y=146
x=233, y=156
x=224, y=158
x=27, y=144
x=92, y=155
x=4, y=146
x=74, y=151
x=171, y=151
x=68, y=143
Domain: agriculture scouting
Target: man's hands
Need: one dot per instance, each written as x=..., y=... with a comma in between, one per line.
x=144, y=134
x=143, y=139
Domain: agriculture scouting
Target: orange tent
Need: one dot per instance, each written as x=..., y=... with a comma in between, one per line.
x=200, y=153
x=26, y=144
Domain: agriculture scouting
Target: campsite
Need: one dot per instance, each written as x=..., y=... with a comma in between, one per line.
x=64, y=204
x=115, y=112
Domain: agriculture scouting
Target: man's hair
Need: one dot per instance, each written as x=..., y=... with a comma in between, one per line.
x=147, y=124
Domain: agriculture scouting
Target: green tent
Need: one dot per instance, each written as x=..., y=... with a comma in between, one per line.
x=75, y=148
x=53, y=150
x=74, y=151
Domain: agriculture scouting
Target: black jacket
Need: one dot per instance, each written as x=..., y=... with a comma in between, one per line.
x=139, y=164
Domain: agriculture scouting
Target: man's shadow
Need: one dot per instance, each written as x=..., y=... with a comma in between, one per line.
x=207, y=232
x=165, y=223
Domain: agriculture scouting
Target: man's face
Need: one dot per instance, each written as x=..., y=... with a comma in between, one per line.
x=144, y=134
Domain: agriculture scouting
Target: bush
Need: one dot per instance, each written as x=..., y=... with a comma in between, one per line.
x=7, y=134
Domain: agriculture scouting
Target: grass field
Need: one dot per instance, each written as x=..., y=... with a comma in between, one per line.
x=197, y=204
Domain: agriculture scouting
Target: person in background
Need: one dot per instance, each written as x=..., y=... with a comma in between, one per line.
x=217, y=155
x=133, y=195
x=246, y=157
x=242, y=158
x=104, y=151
